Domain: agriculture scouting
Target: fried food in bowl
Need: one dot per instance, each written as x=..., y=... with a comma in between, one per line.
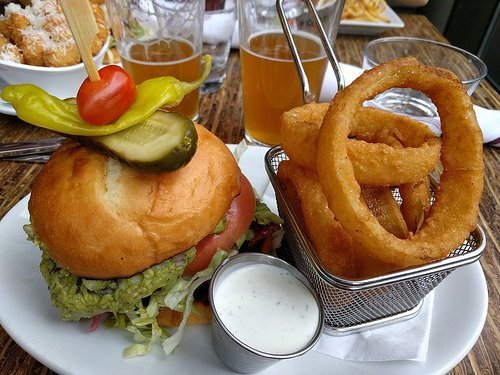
x=36, y=46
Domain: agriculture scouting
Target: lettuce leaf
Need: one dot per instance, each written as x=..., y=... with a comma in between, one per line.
x=143, y=324
x=186, y=294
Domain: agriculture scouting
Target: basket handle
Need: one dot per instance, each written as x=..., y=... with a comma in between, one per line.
x=332, y=58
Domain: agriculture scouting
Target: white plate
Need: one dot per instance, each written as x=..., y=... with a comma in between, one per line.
x=6, y=108
x=68, y=348
x=329, y=87
x=372, y=28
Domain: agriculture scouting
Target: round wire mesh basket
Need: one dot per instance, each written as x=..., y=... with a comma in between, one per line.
x=356, y=305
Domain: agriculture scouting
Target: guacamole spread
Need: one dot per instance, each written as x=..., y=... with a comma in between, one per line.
x=77, y=297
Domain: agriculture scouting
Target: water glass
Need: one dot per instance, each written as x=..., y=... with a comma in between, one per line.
x=271, y=83
x=160, y=38
x=468, y=67
x=218, y=29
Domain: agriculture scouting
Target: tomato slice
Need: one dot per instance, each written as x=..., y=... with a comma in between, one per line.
x=103, y=102
x=239, y=216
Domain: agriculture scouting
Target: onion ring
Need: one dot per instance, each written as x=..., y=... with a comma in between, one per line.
x=416, y=203
x=381, y=203
x=454, y=213
x=338, y=252
x=373, y=163
x=332, y=245
x=415, y=195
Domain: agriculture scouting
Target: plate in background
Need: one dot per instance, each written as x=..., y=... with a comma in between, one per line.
x=372, y=28
x=6, y=108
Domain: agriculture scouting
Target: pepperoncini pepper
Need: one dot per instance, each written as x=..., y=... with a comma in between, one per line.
x=37, y=107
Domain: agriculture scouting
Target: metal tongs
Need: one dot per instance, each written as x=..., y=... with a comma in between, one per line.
x=30, y=152
x=332, y=58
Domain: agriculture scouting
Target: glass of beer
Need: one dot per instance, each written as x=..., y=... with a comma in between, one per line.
x=271, y=82
x=160, y=38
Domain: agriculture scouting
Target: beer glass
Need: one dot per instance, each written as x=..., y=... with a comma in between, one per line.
x=271, y=83
x=160, y=38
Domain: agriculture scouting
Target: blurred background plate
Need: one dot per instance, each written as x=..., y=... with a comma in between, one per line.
x=6, y=108
x=372, y=28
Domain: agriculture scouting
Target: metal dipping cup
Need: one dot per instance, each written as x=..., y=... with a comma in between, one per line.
x=234, y=353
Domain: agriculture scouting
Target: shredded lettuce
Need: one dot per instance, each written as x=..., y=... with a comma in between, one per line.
x=264, y=216
x=143, y=324
x=139, y=348
x=248, y=235
x=219, y=228
x=187, y=294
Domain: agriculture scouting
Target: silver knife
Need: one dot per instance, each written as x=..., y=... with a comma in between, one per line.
x=44, y=146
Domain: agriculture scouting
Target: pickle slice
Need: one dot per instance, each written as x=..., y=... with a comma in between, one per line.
x=165, y=141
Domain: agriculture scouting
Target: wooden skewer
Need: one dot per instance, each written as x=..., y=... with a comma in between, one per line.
x=82, y=24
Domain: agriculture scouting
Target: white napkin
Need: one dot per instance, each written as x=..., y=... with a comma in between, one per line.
x=488, y=119
x=218, y=27
x=329, y=88
x=235, y=39
x=407, y=340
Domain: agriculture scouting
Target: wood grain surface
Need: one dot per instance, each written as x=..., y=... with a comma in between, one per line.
x=221, y=112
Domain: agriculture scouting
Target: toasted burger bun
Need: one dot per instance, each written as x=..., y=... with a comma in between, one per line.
x=101, y=219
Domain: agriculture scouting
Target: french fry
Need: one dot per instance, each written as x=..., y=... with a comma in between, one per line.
x=365, y=10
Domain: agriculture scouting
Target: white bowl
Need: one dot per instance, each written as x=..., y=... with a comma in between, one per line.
x=62, y=82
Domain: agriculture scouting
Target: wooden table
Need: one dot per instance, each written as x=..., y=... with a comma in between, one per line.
x=221, y=112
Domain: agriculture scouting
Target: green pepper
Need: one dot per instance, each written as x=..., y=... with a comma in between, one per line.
x=37, y=107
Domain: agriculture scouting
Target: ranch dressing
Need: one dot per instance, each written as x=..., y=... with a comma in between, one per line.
x=267, y=308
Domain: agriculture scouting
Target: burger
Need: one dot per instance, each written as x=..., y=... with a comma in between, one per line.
x=133, y=244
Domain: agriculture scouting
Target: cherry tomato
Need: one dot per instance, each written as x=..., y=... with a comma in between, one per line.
x=103, y=102
x=239, y=216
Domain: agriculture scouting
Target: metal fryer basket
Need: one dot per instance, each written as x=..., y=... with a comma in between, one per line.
x=356, y=305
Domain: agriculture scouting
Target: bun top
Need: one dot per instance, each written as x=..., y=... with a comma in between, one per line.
x=101, y=219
